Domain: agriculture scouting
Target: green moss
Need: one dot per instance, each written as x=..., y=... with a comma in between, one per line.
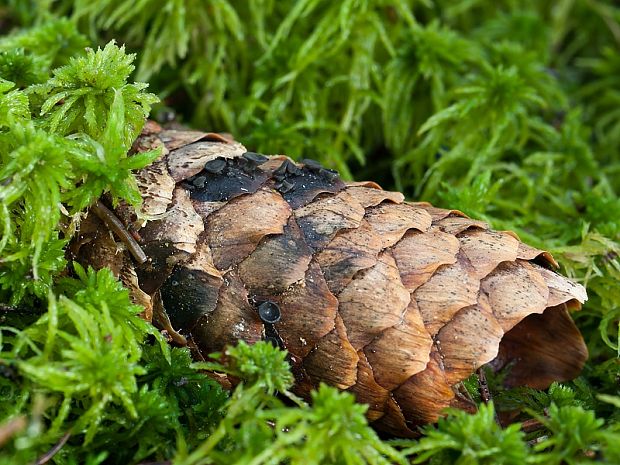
x=505, y=110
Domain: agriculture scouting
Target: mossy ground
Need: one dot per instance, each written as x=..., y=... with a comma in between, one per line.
x=507, y=110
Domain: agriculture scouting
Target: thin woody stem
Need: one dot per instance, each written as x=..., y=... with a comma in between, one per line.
x=54, y=450
x=485, y=392
x=117, y=227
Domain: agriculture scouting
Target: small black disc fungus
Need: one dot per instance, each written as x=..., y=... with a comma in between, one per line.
x=269, y=312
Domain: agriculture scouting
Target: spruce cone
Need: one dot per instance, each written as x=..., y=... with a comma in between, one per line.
x=396, y=302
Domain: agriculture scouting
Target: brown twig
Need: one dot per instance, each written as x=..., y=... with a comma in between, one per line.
x=483, y=387
x=117, y=227
x=531, y=425
x=485, y=392
x=54, y=450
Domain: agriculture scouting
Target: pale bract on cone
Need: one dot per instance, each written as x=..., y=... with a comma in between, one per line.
x=394, y=301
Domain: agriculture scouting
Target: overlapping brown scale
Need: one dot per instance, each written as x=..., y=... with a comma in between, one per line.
x=438, y=214
x=235, y=230
x=418, y=255
x=193, y=288
x=156, y=187
x=308, y=312
x=204, y=209
x=469, y=340
x=233, y=319
x=486, y=249
x=527, y=252
x=454, y=224
x=95, y=245
x=373, y=301
x=515, y=290
x=393, y=421
x=174, y=139
x=541, y=349
x=277, y=262
x=349, y=252
x=561, y=290
x=367, y=391
x=169, y=241
x=369, y=196
x=333, y=360
x=274, y=162
x=129, y=278
x=409, y=346
x=323, y=218
x=450, y=289
x=423, y=396
x=179, y=227
x=189, y=160
x=391, y=221
x=369, y=184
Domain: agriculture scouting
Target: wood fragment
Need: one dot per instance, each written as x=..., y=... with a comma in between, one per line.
x=54, y=450
x=115, y=225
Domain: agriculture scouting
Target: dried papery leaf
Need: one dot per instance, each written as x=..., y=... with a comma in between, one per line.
x=174, y=139
x=169, y=241
x=129, y=278
x=156, y=187
x=95, y=245
x=396, y=302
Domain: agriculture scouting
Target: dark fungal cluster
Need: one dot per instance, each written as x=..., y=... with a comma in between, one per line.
x=225, y=178
x=298, y=185
x=222, y=179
